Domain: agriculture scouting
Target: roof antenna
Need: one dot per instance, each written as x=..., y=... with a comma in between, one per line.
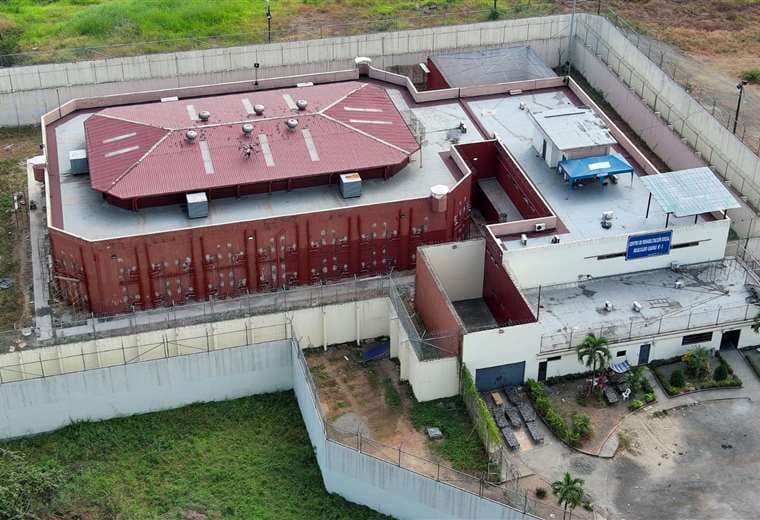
x=256, y=74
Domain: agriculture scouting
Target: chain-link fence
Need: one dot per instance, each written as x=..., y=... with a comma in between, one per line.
x=66, y=359
x=679, y=322
x=656, y=51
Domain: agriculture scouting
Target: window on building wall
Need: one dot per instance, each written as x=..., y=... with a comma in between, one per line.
x=620, y=353
x=692, y=339
x=555, y=358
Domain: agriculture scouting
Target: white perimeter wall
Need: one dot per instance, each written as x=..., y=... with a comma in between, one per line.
x=208, y=362
x=42, y=405
x=28, y=92
x=564, y=262
x=459, y=267
x=382, y=486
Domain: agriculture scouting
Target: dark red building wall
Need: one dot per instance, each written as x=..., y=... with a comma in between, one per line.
x=500, y=292
x=435, y=79
x=172, y=268
x=487, y=159
x=433, y=307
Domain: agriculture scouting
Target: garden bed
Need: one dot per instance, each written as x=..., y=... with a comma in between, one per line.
x=569, y=409
x=689, y=381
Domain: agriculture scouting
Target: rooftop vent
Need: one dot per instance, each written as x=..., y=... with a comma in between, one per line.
x=191, y=136
x=204, y=115
x=247, y=129
x=258, y=109
x=292, y=124
x=302, y=104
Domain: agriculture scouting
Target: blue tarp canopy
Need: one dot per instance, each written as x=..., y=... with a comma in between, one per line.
x=621, y=368
x=577, y=170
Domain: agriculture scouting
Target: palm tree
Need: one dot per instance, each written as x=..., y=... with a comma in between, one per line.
x=594, y=353
x=569, y=493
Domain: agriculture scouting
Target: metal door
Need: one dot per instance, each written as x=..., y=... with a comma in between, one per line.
x=492, y=378
x=542, y=370
x=644, y=353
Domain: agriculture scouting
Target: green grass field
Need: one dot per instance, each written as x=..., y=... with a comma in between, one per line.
x=46, y=25
x=248, y=458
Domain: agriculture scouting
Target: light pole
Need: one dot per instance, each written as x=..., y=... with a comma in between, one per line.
x=740, y=87
x=269, y=23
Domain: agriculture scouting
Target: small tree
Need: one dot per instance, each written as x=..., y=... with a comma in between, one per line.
x=676, y=379
x=569, y=493
x=697, y=362
x=721, y=372
x=594, y=353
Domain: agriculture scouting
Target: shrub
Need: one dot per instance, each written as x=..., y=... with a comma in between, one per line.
x=26, y=485
x=697, y=362
x=10, y=33
x=582, y=426
x=542, y=405
x=646, y=386
x=556, y=423
x=649, y=397
x=541, y=493
x=751, y=75
x=635, y=405
x=721, y=372
x=677, y=379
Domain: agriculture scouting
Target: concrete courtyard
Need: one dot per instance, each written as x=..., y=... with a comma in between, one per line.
x=690, y=457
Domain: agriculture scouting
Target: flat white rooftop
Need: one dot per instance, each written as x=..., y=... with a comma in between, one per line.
x=581, y=208
x=82, y=205
x=710, y=293
x=572, y=127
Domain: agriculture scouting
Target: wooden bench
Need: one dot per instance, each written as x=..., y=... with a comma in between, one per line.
x=497, y=398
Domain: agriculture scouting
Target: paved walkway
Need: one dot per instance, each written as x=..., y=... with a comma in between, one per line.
x=550, y=460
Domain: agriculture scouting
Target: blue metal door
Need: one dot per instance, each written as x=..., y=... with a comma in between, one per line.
x=644, y=353
x=492, y=378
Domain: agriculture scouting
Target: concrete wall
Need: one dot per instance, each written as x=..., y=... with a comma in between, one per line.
x=28, y=92
x=382, y=486
x=315, y=326
x=42, y=405
x=534, y=266
x=461, y=274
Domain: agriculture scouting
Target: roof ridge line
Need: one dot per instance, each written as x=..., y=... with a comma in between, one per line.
x=124, y=119
x=366, y=134
x=354, y=91
x=140, y=159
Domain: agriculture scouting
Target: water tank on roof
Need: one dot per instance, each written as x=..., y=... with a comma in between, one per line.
x=204, y=115
x=258, y=109
x=302, y=104
x=191, y=136
x=247, y=129
x=292, y=124
x=438, y=195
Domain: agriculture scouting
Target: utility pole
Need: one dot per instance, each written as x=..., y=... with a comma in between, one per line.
x=269, y=22
x=740, y=87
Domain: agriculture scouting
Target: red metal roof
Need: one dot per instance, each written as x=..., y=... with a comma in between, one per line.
x=141, y=150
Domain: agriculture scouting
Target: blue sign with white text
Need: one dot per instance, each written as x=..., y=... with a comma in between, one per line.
x=651, y=244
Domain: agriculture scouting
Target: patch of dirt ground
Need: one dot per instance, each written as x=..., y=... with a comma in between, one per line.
x=352, y=398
